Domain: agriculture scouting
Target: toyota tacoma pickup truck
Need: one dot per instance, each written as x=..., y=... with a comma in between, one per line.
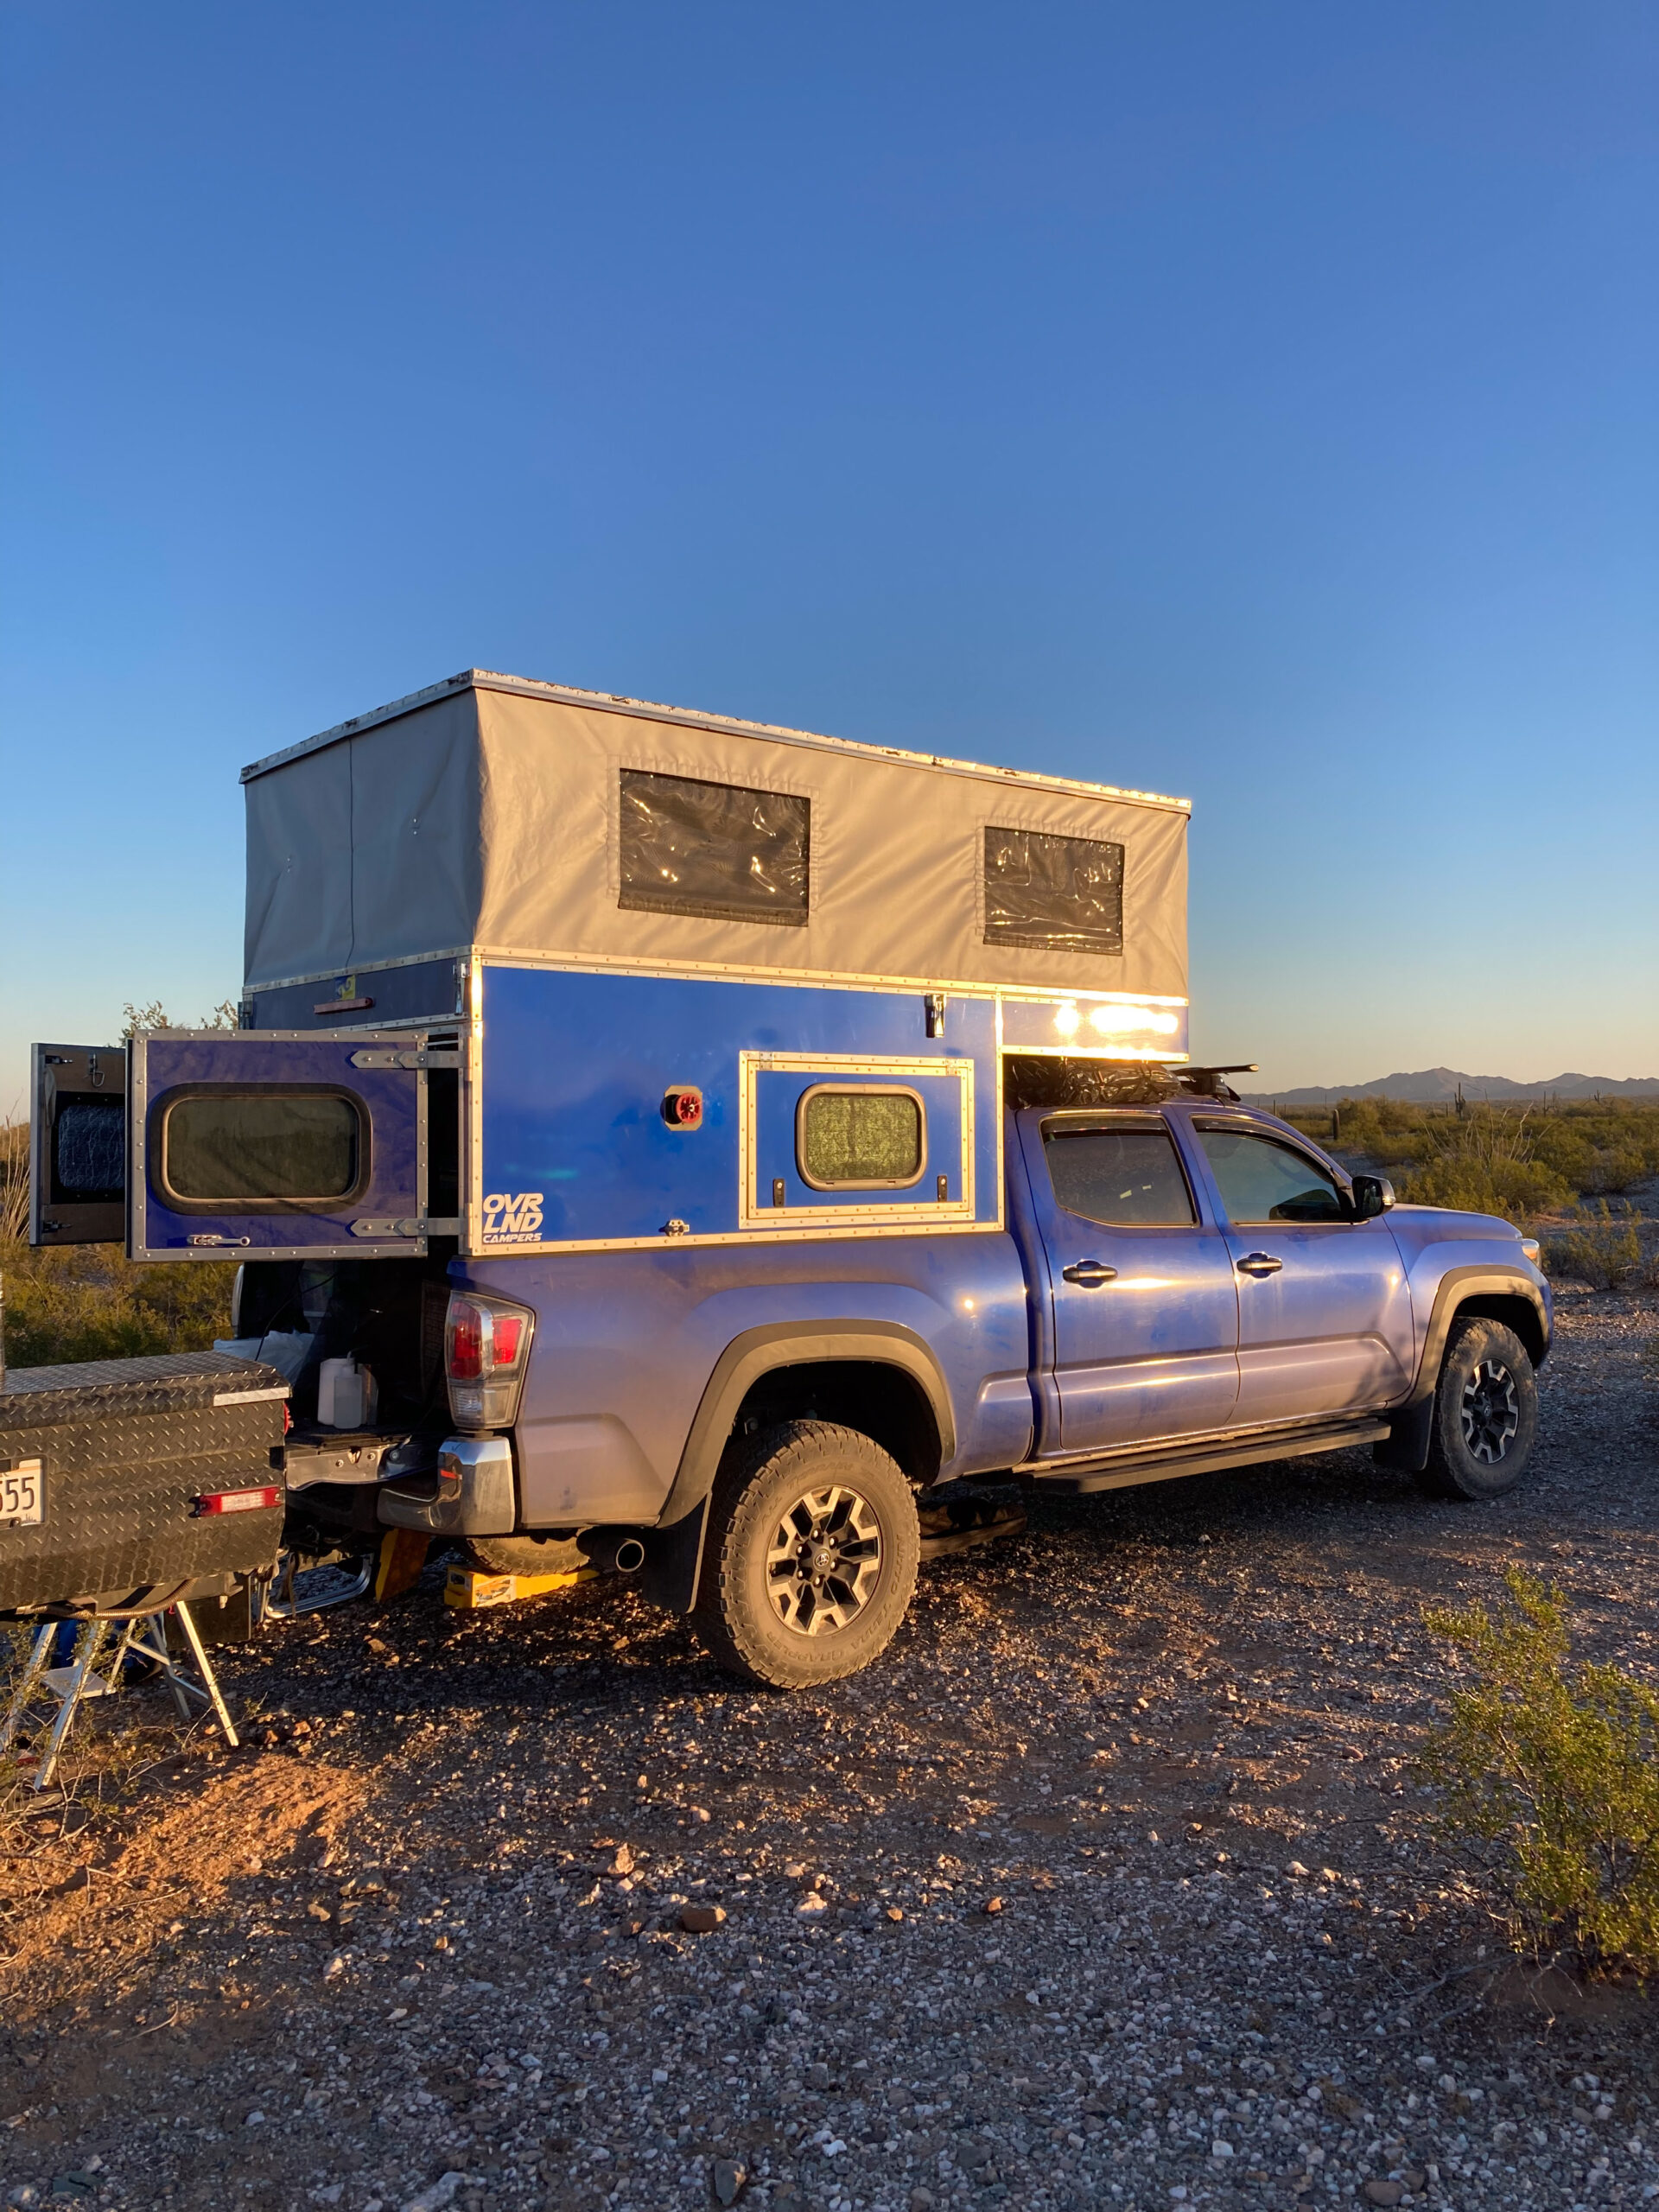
x=696, y=1148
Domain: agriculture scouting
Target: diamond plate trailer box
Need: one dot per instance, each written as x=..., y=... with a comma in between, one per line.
x=117, y=1457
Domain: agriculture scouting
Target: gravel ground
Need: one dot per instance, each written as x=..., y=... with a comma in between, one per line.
x=1110, y=1885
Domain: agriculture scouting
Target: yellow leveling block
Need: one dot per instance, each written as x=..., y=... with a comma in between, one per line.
x=466, y=1589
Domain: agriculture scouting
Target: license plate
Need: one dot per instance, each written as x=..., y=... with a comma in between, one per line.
x=20, y=1494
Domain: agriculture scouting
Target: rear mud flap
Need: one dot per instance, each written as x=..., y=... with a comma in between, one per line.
x=673, y=1562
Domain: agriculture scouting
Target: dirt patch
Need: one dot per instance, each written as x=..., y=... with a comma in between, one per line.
x=110, y=1902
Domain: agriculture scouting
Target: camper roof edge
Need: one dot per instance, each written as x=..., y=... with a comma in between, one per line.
x=483, y=679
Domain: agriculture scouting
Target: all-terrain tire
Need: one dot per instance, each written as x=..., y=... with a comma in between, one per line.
x=810, y=1556
x=1485, y=1414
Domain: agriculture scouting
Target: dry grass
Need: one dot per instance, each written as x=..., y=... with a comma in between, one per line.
x=89, y=1301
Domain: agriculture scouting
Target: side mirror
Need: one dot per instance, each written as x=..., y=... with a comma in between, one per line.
x=1373, y=1194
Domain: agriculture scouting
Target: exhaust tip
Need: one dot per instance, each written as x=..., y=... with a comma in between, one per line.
x=630, y=1556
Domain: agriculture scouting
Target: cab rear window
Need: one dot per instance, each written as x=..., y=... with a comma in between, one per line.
x=241, y=1145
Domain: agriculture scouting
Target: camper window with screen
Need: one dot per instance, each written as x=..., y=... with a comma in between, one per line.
x=860, y=1137
x=1053, y=895
x=718, y=850
x=89, y=1144
x=247, y=1146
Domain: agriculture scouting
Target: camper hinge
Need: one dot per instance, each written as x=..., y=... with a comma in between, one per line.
x=410, y=1225
x=390, y=1057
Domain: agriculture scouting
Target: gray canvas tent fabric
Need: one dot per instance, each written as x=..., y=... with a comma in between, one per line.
x=529, y=820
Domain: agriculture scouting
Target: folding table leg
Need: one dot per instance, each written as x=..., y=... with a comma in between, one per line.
x=209, y=1680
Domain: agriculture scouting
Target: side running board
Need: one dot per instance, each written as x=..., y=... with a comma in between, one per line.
x=1119, y=1472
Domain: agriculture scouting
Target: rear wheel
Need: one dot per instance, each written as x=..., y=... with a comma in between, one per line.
x=1485, y=1414
x=811, y=1556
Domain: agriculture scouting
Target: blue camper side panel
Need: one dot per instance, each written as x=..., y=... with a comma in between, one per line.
x=298, y=1145
x=576, y=1151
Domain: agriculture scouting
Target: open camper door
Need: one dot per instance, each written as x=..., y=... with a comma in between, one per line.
x=305, y=1144
x=78, y=1145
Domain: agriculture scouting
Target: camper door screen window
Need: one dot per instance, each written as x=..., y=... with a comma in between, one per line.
x=718, y=850
x=1053, y=895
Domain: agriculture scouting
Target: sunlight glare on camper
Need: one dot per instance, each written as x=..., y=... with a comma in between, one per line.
x=1124, y=1020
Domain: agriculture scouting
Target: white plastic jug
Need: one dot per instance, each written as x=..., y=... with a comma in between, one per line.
x=347, y=1395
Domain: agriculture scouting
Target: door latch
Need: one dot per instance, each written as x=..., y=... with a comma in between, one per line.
x=1089, y=1273
x=1259, y=1263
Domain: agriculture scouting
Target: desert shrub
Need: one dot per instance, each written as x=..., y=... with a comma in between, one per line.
x=1601, y=1247
x=1484, y=1159
x=1615, y=1168
x=1511, y=1188
x=1588, y=1145
x=1550, y=1775
x=90, y=1302
x=1566, y=1149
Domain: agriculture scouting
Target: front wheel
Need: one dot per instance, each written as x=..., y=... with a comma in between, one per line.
x=1485, y=1414
x=811, y=1556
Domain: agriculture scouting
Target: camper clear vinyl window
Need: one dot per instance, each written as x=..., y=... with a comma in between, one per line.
x=1053, y=895
x=240, y=1146
x=860, y=1137
x=717, y=850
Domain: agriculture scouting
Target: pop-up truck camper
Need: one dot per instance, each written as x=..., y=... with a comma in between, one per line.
x=671, y=1144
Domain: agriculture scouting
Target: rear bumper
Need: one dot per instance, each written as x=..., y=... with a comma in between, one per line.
x=472, y=1493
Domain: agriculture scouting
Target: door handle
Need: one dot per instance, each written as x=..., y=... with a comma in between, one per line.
x=1259, y=1263
x=1089, y=1273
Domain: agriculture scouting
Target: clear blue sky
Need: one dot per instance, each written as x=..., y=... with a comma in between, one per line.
x=1257, y=402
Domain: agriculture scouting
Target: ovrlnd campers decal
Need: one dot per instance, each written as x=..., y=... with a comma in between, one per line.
x=510, y=1216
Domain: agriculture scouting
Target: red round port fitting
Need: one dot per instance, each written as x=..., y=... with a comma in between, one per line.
x=683, y=1107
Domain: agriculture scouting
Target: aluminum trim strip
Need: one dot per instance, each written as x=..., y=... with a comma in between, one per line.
x=600, y=963
x=613, y=702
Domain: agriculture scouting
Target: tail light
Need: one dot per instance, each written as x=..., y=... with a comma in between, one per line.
x=486, y=1351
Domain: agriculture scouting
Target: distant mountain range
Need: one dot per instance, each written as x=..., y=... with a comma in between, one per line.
x=1433, y=1085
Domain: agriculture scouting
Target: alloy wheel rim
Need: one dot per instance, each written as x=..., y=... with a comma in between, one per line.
x=825, y=1560
x=1490, y=1411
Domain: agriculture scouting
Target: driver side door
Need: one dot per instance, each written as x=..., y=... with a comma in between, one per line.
x=1323, y=1309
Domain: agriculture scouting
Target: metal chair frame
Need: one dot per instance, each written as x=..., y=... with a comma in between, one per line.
x=142, y=1632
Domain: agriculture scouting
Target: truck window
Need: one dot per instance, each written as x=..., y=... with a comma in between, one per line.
x=718, y=850
x=1263, y=1181
x=1124, y=1178
x=1053, y=895
x=236, y=1145
x=860, y=1137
